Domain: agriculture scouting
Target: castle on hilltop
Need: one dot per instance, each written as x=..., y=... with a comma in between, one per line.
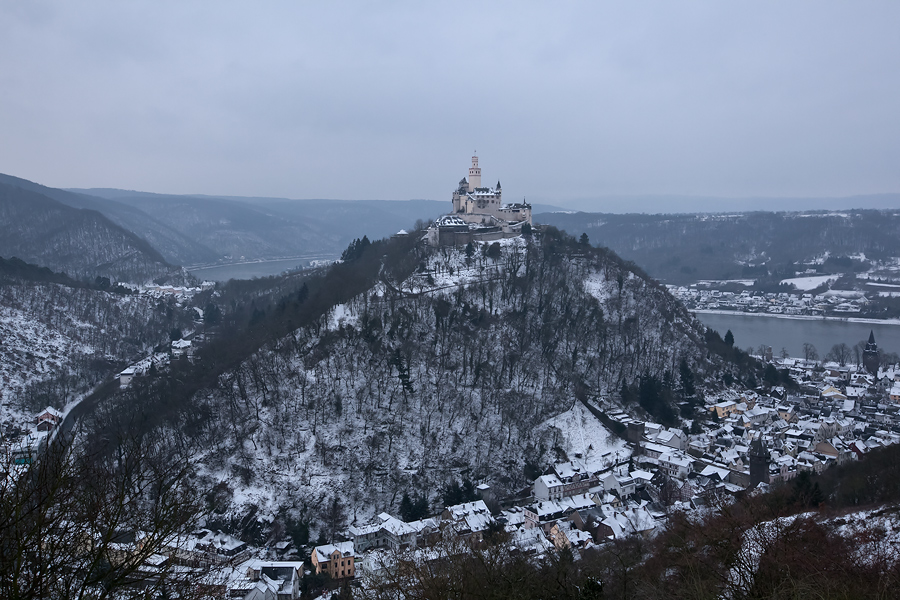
x=478, y=214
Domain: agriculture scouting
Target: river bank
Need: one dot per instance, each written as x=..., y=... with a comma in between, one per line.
x=791, y=332
x=799, y=317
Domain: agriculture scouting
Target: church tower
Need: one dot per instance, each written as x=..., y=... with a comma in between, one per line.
x=759, y=462
x=870, y=355
x=474, y=175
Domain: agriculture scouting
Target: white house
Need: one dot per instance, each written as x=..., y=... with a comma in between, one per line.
x=675, y=466
x=548, y=487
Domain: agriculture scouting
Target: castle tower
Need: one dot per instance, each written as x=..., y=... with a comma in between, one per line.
x=474, y=175
x=759, y=462
x=870, y=355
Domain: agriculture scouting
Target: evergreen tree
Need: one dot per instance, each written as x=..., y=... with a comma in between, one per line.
x=356, y=249
x=407, y=509
x=211, y=314
x=729, y=338
x=420, y=508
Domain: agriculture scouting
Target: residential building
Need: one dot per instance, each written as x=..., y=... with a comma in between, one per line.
x=337, y=560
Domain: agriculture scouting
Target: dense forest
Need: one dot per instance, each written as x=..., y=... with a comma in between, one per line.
x=407, y=367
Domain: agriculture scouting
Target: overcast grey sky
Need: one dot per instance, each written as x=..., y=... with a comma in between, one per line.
x=563, y=101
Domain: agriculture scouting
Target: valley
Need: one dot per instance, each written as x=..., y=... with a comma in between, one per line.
x=525, y=391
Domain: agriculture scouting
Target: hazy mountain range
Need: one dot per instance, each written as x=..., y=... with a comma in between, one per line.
x=156, y=231
x=682, y=248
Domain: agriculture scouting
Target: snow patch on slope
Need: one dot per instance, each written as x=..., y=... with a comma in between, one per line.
x=584, y=434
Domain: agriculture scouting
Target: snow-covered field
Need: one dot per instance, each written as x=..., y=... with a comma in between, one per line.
x=584, y=434
x=809, y=283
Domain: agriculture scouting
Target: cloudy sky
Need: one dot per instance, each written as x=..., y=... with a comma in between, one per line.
x=564, y=102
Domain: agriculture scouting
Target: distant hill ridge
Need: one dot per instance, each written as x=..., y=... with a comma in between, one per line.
x=272, y=228
x=682, y=248
x=81, y=242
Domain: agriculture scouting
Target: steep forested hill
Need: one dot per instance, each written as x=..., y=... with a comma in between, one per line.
x=679, y=248
x=60, y=337
x=407, y=367
x=177, y=248
x=81, y=243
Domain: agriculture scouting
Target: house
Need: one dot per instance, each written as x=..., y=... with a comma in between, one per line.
x=48, y=419
x=835, y=449
x=725, y=409
x=675, y=465
x=182, y=348
x=546, y=512
x=589, y=520
x=337, y=560
x=623, y=485
x=389, y=532
x=548, y=487
x=26, y=451
x=654, y=451
x=894, y=394
x=275, y=580
x=673, y=438
x=575, y=477
x=787, y=412
x=829, y=393
x=202, y=549
x=126, y=376
x=519, y=517
x=220, y=543
x=564, y=534
x=529, y=541
x=629, y=522
x=468, y=518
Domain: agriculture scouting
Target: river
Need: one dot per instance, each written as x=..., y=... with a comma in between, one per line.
x=249, y=270
x=752, y=331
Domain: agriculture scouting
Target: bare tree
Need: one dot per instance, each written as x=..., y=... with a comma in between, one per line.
x=68, y=523
x=810, y=352
x=858, y=349
x=839, y=353
x=335, y=517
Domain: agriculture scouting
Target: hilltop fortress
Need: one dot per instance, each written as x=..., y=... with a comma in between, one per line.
x=478, y=214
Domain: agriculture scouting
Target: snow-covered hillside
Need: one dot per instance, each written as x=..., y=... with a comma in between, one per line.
x=466, y=368
x=58, y=341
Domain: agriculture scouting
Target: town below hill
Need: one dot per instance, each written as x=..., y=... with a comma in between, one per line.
x=805, y=417
x=606, y=473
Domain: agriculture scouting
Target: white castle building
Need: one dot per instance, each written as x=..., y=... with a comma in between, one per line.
x=479, y=213
x=476, y=204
